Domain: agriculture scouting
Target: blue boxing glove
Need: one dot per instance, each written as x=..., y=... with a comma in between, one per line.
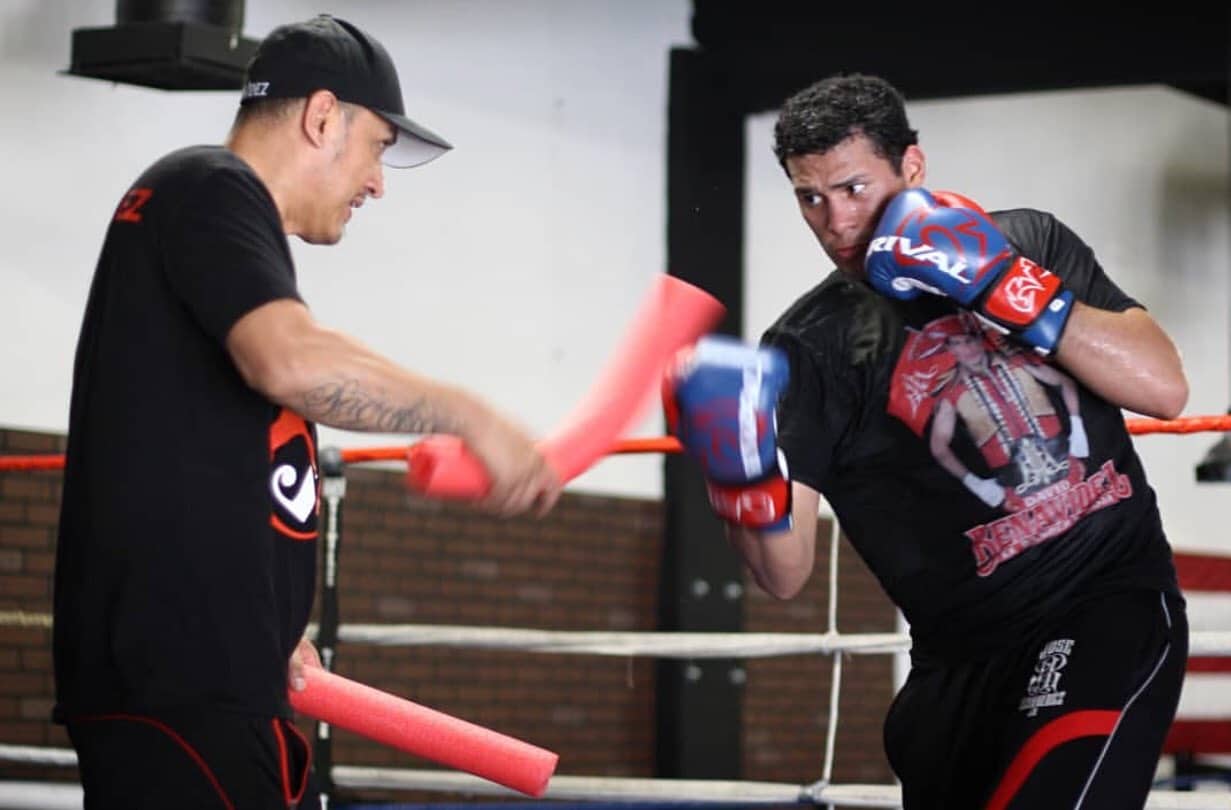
x=944, y=244
x=719, y=397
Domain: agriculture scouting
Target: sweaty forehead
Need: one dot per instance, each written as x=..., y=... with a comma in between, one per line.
x=848, y=159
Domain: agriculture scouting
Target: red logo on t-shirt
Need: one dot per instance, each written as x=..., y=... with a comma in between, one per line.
x=1008, y=426
x=293, y=477
x=1048, y=515
x=129, y=209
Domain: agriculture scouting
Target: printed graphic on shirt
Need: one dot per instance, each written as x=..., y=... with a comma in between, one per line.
x=129, y=209
x=293, y=477
x=1043, y=689
x=1008, y=426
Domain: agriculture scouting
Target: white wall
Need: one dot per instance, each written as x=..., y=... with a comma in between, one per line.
x=1142, y=174
x=510, y=265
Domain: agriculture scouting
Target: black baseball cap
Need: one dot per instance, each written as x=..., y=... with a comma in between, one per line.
x=326, y=53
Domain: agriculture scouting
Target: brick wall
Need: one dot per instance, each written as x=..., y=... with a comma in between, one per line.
x=592, y=564
x=29, y=510
x=786, y=703
x=589, y=565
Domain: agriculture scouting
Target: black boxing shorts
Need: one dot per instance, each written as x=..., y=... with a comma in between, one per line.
x=204, y=760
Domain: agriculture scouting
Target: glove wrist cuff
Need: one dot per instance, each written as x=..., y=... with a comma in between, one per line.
x=1031, y=303
x=764, y=505
x=1045, y=333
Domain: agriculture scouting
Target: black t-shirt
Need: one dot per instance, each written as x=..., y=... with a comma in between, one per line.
x=951, y=460
x=185, y=563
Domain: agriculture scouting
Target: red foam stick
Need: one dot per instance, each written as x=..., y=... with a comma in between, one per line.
x=424, y=732
x=673, y=314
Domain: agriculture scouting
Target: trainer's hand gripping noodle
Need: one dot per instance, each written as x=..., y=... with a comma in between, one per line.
x=945, y=244
x=672, y=315
x=424, y=732
x=720, y=399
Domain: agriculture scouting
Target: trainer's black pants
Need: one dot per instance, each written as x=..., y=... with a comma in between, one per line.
x=216, y=761
x=1073, y=720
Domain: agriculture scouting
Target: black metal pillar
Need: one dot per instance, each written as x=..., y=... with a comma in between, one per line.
x=699, y=702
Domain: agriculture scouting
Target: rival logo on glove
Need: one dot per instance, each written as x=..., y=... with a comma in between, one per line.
x=1020, y=291
x=1019, y=298
x=961, y=254
x=902, y=246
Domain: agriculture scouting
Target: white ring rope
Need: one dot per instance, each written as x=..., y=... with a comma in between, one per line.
x=656, y=645
x=33, y=755
x=20, y=618
x=835, y=681
x=1202, y=643
x=21, y=795
x=586, y=788
x=55, y=796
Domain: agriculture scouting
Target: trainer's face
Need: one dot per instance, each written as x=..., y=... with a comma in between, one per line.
x=352, y=172
x=842, y=192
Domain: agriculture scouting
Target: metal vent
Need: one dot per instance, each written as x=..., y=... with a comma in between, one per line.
x=167, y=44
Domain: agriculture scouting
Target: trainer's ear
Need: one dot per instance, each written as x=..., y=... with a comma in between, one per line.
x=319, y=112
x=914, y=166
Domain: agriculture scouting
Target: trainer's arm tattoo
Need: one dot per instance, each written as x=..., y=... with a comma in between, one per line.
x=346, y=404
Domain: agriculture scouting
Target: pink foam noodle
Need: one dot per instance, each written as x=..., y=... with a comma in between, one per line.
x=407, y=726
x=672, y=315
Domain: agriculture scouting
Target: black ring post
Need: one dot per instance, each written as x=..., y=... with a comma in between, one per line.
x=333, y=488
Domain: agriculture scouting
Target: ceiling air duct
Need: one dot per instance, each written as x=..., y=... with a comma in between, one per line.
x=167, y=44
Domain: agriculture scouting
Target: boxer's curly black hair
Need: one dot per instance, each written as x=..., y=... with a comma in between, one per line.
x=819, y=117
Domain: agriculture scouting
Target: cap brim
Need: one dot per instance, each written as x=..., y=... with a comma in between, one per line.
x=415, y=144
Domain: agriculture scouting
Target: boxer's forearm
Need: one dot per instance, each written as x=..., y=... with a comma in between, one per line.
x=1126, y=358
x=781, y=562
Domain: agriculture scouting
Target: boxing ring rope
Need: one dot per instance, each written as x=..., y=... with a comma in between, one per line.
x=671, y=645
x=675, y=645
x=653, y=444
x=42, y=796
x=622, y=644
x=58, y=796
x=579, y=788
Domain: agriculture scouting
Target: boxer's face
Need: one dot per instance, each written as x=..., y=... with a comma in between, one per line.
x=842, y=192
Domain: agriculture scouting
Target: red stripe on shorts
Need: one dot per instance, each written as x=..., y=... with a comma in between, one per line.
x=1091, y=723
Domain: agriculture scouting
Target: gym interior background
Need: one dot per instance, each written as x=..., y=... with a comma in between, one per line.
x=599, y=143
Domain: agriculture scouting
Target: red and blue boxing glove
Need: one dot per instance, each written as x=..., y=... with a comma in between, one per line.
x=945, y=244
x=720, y=398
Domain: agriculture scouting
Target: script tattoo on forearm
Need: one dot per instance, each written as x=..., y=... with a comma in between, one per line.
x=346, y=404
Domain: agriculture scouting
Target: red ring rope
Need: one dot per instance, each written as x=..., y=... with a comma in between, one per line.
x=649, y=444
